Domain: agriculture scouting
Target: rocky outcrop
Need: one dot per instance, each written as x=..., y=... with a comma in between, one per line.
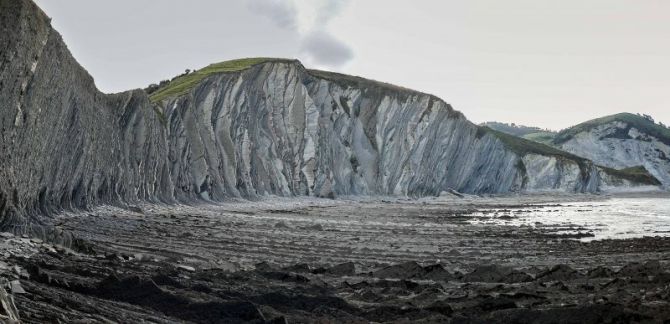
x=65, y=144
x=274, y=128
x=278, y=129
x=622, y=141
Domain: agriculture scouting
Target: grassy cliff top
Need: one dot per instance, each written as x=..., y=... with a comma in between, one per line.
x=541, y=137
x=512, y=129
x=182, y=84
x=639, y=122
x=185, y=83
x=524, y=146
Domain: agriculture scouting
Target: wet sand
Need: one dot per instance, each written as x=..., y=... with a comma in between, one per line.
x=346, y=260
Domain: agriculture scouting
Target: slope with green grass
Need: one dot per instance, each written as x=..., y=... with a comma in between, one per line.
x=512, y=129
x=524, y=146
x=185, y=83
x=546, y=138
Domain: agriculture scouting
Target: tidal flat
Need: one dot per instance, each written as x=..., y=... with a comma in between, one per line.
x=537, y=258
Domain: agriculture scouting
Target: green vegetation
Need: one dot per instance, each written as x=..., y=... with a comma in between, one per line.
x=535, y=134
x=513, y=129
x=186, y=82
x=641, y=123
x=636, y=174
x=541, y=137
x=523, y=146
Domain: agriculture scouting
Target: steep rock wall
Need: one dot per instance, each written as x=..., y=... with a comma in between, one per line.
x=64, y=144
x=273, y=129
x=277, y=130
x=551, y=173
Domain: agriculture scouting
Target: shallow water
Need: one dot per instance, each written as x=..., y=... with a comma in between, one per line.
x=616, y=218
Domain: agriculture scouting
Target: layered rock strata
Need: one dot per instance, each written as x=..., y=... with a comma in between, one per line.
x=274, y=128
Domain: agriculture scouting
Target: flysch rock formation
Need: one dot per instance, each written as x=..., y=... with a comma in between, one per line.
x=275, y=128
x=622, y=141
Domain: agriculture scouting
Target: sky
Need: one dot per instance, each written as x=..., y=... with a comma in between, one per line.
x=550, y=64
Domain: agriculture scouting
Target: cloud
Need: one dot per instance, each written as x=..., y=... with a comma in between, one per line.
x=329, y=9
x=324, y=49
x=309, y=19
x=282, y=13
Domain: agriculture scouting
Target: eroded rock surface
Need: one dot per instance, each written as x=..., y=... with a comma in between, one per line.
x=370, y=262
x=275, y=128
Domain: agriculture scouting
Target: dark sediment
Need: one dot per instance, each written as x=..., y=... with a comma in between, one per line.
x=235, y=265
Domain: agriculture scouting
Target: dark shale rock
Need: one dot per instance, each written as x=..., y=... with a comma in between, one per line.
x=495, y=273
x=560, y=272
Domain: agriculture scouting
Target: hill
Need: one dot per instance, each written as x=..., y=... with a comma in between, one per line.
x=644, y=125
x=621, y=141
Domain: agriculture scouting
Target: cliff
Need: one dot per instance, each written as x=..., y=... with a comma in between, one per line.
x=248, y=128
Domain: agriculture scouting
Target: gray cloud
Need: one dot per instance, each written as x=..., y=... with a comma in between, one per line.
x=320, y=45
x=317, y=44
x=329, y=10
x=324, y=49
x=281, y=12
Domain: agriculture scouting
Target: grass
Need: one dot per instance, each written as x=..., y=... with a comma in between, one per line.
x=642, y=124
x=636, y=174
x=185, y=83
x=512, y=129
x=541, y=137
x=524, y=146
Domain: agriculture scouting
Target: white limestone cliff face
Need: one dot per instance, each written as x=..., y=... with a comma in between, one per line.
x=273, y=129
x=546, y=173
x=619, y=145
x=277, y=130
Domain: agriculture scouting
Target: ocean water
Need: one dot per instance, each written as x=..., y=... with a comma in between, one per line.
x=615, y=218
